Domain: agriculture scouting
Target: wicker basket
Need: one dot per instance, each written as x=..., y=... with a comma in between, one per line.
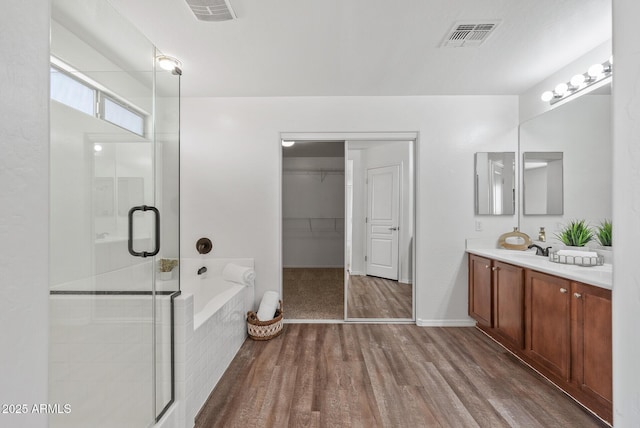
x=264, y=330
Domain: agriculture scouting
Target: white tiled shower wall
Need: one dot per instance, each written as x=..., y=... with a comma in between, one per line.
x=101, y=359
x=202, y=355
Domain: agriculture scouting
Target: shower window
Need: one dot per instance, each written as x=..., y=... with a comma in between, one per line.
x=122, y=116
x=78, y=92
x=72, y=92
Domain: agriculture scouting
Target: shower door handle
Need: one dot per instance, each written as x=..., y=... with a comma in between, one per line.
x=156, y=250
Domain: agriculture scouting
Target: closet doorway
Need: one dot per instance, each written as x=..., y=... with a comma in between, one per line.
x=369, y=245
x=313, y=185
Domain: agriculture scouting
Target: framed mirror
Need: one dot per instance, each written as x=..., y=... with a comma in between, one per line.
x=542, y=183
x=581, y=130
x=495, y=183
x=379, y=244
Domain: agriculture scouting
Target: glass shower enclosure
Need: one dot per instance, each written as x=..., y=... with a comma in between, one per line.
x=114, y=220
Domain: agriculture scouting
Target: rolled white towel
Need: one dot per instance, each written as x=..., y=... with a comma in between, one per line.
x=577, y=253
x=240, y=274
x=268, y=306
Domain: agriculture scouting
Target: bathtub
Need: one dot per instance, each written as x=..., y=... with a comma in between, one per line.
x=210, y=328
x=210, y=294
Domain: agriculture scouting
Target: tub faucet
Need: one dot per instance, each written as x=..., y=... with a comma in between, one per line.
x=540, y=251
x=202, y=270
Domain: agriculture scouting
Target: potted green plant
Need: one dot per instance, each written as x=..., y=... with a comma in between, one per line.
x=603, y=233
x=576, y=234
x=166, y=266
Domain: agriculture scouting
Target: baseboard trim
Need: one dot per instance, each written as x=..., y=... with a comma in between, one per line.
x=446, y=323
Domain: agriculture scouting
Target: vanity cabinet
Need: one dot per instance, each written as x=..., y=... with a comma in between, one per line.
x=560, y=327
x=591, y=363
x=496, y=298
x=508, y=303
x=480, y=290
x=548, y=323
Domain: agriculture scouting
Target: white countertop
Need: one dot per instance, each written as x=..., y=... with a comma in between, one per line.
x=600, y=276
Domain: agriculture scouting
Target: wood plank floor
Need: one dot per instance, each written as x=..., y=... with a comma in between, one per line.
x=372, y=297
x=361, y=375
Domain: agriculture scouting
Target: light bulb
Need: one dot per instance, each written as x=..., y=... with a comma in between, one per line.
x=578, y=80
x=561, y=89
x=287, y=143
x=595, y=70
x=168, y=63
x=611, y=60
x=97, y=147
x=547, y=96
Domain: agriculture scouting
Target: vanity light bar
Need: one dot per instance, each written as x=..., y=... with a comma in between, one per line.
x=596, y=73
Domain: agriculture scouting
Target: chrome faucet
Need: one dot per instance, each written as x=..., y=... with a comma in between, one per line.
x=540, y=251
x=202, y=270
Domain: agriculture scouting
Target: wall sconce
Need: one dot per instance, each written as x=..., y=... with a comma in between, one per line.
x=579, y=82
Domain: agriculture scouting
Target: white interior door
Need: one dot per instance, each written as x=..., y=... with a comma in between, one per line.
x=383, y=208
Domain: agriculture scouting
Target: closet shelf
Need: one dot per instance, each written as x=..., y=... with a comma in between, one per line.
x=323, y=172
x=314, y=224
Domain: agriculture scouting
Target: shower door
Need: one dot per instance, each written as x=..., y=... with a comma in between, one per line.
x=113, y=218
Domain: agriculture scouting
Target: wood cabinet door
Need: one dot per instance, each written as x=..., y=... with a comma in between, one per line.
x=591, y=344
x=547, y=314
x=480, y=290
x=508, y=302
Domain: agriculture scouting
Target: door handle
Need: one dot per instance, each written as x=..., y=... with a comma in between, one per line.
x=156, y=250
x=394, y=228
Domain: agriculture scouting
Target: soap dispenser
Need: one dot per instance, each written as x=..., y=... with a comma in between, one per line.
x=542, y=237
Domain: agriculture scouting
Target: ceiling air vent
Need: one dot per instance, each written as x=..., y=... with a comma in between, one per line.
x=212, y=10
x=468, y=34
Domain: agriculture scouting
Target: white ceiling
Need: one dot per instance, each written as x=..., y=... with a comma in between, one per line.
x=369, y=47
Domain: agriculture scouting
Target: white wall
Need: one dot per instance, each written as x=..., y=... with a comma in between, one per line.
x=626, y=212
x=24, y=208
x=231, y=178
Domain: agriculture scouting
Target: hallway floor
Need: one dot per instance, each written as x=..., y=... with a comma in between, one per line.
x=376, y=375
x=373, y=297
